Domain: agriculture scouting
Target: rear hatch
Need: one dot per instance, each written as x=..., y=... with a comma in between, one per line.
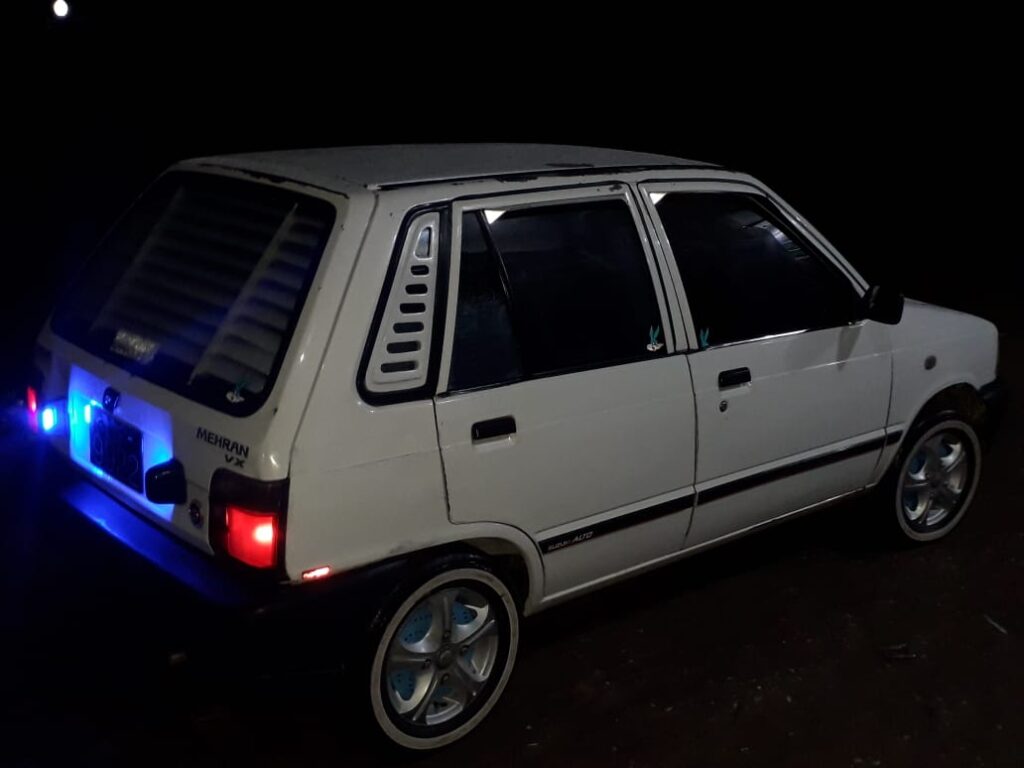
x=172, y=336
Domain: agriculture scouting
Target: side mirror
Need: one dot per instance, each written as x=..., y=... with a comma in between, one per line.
x=883, y=304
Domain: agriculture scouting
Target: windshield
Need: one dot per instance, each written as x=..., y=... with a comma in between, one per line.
x=199, y=286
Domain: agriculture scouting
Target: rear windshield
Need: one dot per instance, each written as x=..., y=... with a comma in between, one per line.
x=199, y=286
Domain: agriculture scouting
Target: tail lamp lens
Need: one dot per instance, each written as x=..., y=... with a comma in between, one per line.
x=248, y=519
x=252, y=537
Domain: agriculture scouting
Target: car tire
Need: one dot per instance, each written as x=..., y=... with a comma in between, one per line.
x=441, y=653
x=933, y=479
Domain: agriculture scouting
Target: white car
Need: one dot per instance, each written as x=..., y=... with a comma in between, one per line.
x=442, y=387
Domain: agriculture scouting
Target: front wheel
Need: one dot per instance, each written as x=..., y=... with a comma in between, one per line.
x=443, y=657
x=937, y=474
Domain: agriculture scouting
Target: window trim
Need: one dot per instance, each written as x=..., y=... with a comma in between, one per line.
x=439, y=329
x=544, y=198
x=777, y=208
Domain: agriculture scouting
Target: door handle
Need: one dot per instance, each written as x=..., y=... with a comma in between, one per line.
x=500, y=427
x=734, y=377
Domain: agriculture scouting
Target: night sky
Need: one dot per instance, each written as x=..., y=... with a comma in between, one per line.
x=887, y=137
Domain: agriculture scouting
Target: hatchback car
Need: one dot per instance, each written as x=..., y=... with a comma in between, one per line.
x=444, y=387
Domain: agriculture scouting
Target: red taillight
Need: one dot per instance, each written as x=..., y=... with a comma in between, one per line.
x=32, y=400
x=252, y=536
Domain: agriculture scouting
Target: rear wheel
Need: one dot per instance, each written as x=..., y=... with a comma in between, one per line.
x=936, y=475
x=443, y=656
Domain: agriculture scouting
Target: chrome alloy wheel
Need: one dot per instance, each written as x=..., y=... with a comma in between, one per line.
x=441, y=656
x=444, y=658
x=937, y=480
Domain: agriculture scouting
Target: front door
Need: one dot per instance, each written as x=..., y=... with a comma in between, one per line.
x=791, y=388
x=563, y=412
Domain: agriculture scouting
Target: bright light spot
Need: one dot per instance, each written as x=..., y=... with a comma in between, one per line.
x=316, y=573
x=656, y=197
x=60, y=9
x=493, y=216
x=263, y=533
x=32, y=400
x=87, y=413
x=49, y=419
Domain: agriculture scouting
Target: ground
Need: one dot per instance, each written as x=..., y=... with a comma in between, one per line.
x=812, y=644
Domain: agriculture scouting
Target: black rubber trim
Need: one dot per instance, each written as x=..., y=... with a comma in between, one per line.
x=628, y=520
x=795, y=468
x=893, y=437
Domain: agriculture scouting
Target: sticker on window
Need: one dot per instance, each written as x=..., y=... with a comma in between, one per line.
x=653, y=334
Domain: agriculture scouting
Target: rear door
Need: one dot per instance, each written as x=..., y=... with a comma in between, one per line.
x=791, y=388
x=562, y=410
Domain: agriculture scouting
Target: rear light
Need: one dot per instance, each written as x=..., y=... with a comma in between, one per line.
x=251, y=537
x=247, y=519
x=32, y=408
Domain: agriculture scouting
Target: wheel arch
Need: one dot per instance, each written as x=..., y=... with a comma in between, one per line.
x=960, y=396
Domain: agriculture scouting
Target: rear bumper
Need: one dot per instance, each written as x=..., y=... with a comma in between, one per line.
x=349, y=596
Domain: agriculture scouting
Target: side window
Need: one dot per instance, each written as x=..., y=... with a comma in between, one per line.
x=746, y=274
x=551, y=288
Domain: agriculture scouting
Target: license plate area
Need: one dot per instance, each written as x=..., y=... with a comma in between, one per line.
x=116, y=448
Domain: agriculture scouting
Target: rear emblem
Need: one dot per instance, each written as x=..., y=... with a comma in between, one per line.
x=134, y=347
x=111, y=398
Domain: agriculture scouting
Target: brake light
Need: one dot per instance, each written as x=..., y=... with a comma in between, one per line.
x=247, y=518
x=32, y=408
x=252, y=536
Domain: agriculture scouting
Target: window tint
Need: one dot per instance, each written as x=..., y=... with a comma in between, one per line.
x=746, y=274
x=199, y=286
x=551, y=288
x=484, y=351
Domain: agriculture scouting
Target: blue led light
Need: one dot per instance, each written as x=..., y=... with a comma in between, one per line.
x=48, y=419
x=87, y=413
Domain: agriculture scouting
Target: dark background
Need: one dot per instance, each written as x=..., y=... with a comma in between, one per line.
x=815, y=645
x=889, y=136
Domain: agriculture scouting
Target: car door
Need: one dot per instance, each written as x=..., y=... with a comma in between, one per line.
x=791, y=388
x=561, y=410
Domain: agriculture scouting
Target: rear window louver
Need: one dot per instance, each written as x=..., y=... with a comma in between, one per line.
x=402, y=349
x=217, y=282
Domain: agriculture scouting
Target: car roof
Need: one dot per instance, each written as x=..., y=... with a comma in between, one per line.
x=379, y=167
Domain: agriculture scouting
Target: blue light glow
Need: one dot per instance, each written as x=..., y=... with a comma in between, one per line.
x=84, y=393
x=48, y=418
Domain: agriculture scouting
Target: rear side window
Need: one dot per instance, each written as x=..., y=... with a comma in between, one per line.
x=198, y=288
x=549, y=289
x=746, y=273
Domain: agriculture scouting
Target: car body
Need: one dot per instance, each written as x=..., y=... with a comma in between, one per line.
x=578, y=363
